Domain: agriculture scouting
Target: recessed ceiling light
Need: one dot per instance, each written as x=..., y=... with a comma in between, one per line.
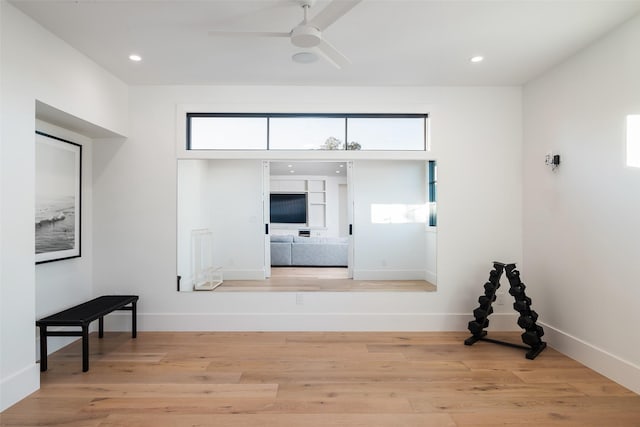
x=477, y=59
x=291, y=171
x=289, y=166
x=337, y=171
x=135, y=58
x=304, y=57
x=341, y=166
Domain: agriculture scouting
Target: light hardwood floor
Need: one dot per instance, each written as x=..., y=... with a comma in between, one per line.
x=311, y=272
x=305, y=279
x=319, y=379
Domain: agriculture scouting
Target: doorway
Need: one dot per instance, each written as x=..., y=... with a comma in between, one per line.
x=308, y=218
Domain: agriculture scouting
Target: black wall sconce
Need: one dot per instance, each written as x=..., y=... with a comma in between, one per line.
x=552, y=160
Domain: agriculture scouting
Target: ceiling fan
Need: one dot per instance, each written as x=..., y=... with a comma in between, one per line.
x=308, y=34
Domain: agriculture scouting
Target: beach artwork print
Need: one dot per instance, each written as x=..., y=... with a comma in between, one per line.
x=57, y=216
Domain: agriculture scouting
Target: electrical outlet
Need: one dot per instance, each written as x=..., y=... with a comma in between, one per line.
x=548, y=159
x=500, y=297
x=299, y=299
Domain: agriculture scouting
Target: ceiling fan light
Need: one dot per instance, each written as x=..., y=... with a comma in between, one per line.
x=304, y=57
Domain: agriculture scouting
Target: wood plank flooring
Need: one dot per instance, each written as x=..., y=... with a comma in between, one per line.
x=305, y=279
x=318, y=379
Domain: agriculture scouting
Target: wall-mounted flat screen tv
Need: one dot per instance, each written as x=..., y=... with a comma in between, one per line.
x=288, y=208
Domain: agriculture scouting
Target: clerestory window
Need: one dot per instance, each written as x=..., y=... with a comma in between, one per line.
x=256, y=131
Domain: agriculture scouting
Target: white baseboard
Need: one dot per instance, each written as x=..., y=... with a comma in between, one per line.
x=389, y=274
x=365, y=322
x=431, y=277
x=624, y=373
x=357, y=275
x=19, y=385
x=186, y=284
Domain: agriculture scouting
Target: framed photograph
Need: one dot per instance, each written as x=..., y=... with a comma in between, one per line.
x=58, y=188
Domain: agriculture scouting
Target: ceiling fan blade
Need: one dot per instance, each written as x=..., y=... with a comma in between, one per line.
x=247, y=34
x=332, y=55
x=330, y=14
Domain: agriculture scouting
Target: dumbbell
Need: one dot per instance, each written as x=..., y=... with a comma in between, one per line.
x=481, y=313
x=517, y=290
x=528, y=321
x=476, y=327
x=531, y=338
x=522, y=304
x=485, y=300
x=513, y=274
x=490, y=289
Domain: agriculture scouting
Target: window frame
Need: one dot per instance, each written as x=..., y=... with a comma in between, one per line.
x=345, y=116
x=432, y=188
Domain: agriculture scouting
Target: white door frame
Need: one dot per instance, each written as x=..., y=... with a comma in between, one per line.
x=266, y=215
x=350, y=216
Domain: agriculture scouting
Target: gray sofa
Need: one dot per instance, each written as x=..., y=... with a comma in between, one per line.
x=309, y=251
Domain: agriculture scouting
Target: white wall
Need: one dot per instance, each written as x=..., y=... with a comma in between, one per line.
x=388, y=251
x=234, y=190
x=431, y=265
x=581, y=230
x=4, y=402
x=35, y=66
x=476, y=138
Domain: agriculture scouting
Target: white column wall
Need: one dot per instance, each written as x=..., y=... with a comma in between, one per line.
x=581, y=233
x=35, y=65
x=476, y=138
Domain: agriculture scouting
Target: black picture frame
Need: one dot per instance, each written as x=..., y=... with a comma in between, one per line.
x=58, y=214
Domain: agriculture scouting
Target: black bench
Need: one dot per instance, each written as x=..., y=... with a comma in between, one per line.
x=82, y=315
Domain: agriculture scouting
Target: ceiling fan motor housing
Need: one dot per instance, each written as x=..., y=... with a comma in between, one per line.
x=306, y=3
x=306, y=36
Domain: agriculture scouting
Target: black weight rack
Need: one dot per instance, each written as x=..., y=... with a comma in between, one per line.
x=532, y=332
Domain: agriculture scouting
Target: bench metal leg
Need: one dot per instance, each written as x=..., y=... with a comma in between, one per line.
x=101, y=327
x=85, y=348
x=134, y=315
x=43, y=348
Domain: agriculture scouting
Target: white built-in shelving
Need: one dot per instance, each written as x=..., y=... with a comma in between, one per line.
x=317, y=199
x=316, y=190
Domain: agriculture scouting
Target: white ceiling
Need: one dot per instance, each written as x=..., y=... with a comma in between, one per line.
x=390, y=42
x=300, y=168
